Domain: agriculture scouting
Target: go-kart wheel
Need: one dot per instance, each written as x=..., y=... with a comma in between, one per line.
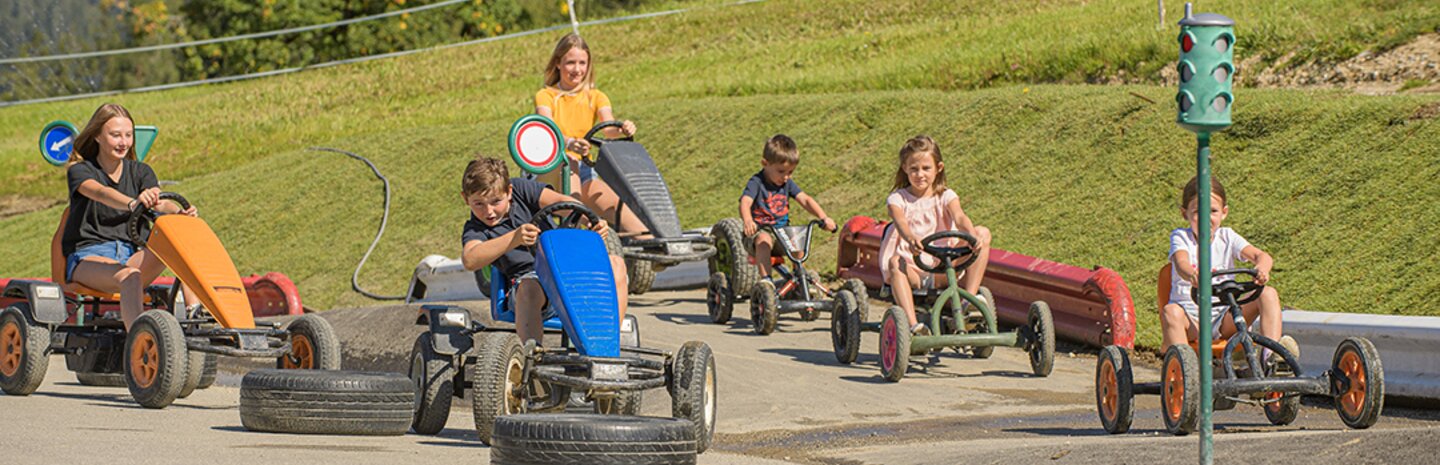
x=313, y=345
x=732, y=258
x=814, y=281
x=23, y=361
x=845, y=327
x=693, y=395
x=983, y=325
x=588, y=439
x=100, y=379
x=623, y=403
x=719, y=298
x=194, y=367
x=641, y=274
x=497, y=373
x=1359, y=382
x=1281, y=409
x=1041, y=328
x=1180, y=390
x=1114, y=390
x=327, y=402
x=207, y=375
x=894, y=344
x=862, y=297
x=434, y=378
x=155, y=359
x=764, y=307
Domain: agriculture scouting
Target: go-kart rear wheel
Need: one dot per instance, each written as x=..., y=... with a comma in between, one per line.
x=764, y=307
x=719, y=298
x=1281, y=409
x=894, y=344
x=1114, y=390
x=641, y=274
x=1180, y=390
x=23, y=361
x=845, y=327
x=155, y=359
x=1041, y=326
x=983, y=326
x=814, y=281
x=313, y=345
x=732, y=258
x=194, y=368
x=207, y=375
x=434, y=378
x=498, y=371
x=587, y=439
x=1357, y=370
x=622, y=403
x=862, y=297
x=326, y=402
x=693, y=393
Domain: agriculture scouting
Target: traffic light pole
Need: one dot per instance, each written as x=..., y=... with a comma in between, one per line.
x=1207, y=401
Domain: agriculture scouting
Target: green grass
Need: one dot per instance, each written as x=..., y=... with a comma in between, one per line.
x=1339, y=188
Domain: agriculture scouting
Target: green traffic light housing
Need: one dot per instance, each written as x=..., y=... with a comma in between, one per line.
x=1207, y=70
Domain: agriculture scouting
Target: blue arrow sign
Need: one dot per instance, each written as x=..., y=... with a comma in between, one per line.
x=57, y=140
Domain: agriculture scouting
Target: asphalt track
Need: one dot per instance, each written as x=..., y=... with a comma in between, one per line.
x=782, y=398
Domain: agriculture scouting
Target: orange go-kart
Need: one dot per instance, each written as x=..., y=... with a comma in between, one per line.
x=164, y=354
x=1355, y=381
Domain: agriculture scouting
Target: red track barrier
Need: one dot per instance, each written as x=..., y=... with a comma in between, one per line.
x=270, y=294
x=1090, y=306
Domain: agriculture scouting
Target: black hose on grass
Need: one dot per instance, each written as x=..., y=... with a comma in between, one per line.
x=384, y=218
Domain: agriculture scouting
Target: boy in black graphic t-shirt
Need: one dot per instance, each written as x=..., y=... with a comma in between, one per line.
x=766, y=199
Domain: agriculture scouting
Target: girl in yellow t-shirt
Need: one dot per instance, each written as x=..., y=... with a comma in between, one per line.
x=572, y=101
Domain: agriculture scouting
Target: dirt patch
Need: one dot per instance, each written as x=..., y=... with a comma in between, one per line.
x=16, y=204
x=1410, y=68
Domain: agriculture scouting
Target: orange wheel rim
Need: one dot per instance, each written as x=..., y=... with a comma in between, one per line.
x=302, y=353
x=144, y=360
x=1353, y=400
x=1109, y=392
x=1174, y=390
x=12, y=349
x=1272, y=401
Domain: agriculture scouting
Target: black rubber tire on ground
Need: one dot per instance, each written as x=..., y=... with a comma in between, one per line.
x=327, y=402
x=156, y=333
x=815, y=294
x=1042, y=345
x=764, y=307
x=207, y=375
x=586, y=439
x=1361, y=408
x=499, y=356
x=433, y=376
x=862, y=297
x=894, y=344
x=693, y=394
x=1180, y=390
x=845, y=327
x=194, y=368
x=732, y=258
x=23, y=347
x=320, y=336
x=641, y=274
x=719, y=298
x=100, y=379
x=1114, y=390
x=987, y=351
x=1284, y=410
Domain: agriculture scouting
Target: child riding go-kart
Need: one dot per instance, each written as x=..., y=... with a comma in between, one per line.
x=797, y=291
x=163, y=354
x=627, y=168
x=1355, y=380
x=508, y=377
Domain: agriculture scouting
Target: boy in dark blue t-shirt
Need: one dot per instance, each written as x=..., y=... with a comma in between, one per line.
x=501, y=210
x=766, y=199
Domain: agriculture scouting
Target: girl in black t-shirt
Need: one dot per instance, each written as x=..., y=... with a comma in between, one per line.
x=106, y=183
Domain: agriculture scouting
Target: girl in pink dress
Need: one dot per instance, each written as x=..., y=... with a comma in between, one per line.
x=921, y=205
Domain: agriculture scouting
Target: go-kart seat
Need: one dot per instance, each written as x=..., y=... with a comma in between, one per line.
x=500, y=302
x=57, y=270
x=777, y=252
x=1163, y=297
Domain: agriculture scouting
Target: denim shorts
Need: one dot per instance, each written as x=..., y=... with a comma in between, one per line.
x=546, y=312
x=120, y=251
x=585, y=171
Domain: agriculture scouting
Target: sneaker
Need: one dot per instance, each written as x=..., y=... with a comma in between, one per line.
x=1290, y=345
x=920, y=329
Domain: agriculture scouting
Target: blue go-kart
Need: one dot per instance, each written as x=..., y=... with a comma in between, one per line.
x=596, y=363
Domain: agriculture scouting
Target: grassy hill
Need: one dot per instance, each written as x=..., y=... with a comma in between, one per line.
x=1340, y=188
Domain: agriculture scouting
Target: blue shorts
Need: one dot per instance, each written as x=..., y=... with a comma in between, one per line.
x=120, y=251
x=585, y=171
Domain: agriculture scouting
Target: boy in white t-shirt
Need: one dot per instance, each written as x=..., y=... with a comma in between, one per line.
x=1179, y=320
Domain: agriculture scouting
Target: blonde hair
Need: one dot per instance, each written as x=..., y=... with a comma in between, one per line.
x=552, y=70
x=86, y=148
x=918, y=145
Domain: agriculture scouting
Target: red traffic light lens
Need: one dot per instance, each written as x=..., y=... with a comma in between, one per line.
x=1186, y=43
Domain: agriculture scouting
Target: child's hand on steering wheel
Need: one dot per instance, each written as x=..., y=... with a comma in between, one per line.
x=1262, y=275
x=829, y=224
x=149, y=197
x=578, y=145
x=525, y=235
x=190, y=211
x=628, y=128
x=601, y=227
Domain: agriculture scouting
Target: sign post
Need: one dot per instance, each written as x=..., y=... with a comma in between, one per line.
x=536, y=145
x=57, y=140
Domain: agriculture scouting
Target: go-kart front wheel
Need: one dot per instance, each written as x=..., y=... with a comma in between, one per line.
x=23, y=361
x=313, y=345
x=845, y=327
x=434, y=378
x=764, y=307
x=1114, y=390
x=1357, y=370
x=693, y=392
x=719, y=298
x=894, y=344
x=155, y=359
x=1042, y=338
x=497, y=372
x=1180, y=390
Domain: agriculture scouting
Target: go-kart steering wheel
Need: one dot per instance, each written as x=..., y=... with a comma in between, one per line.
x=948, y=255
x=1244, y=292
x=146, y=215
x=614, y=123
x=544, y=219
